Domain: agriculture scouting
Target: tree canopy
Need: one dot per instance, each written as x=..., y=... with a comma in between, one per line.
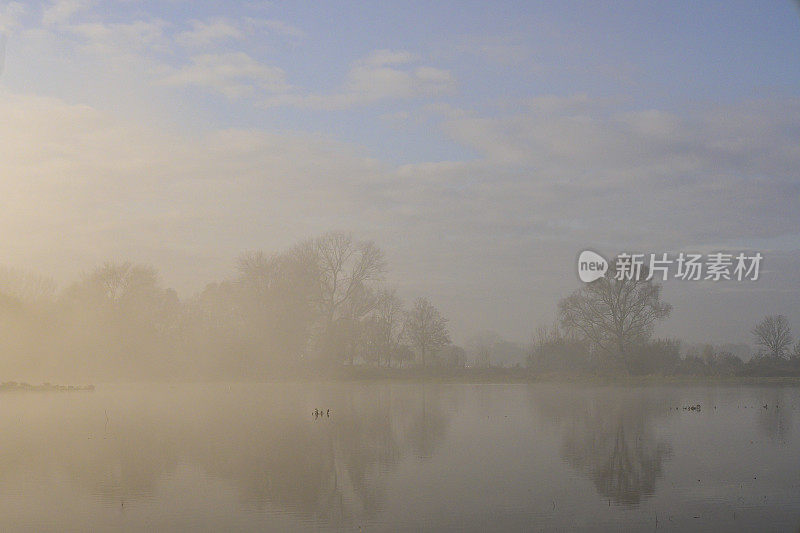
x=614, y=315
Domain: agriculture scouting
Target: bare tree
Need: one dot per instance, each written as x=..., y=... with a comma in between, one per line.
x=426, y=329
x=774, y=334
x=27, y=286
x=350, y=323
x=390, y=324
x=275, y=299
x=614, y=315
x=483, y=345
x=345, y=267
x=117, y=281
x=121, y=314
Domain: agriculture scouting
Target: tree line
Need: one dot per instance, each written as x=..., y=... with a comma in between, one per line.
x=323, y=305
x=318, y=305
x=606, y=327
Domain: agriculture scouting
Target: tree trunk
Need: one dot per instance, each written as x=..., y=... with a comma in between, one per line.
x=624, y=359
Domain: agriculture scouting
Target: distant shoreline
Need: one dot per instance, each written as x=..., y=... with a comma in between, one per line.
x=495, y=376
x=13, y=386
x=513, y=376
x=500, y=377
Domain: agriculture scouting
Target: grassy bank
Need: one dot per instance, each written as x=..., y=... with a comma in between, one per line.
x=514, y=375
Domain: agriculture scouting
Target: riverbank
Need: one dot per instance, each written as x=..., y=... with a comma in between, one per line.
x=13, y=386
x=516, y=375
x=475, y=376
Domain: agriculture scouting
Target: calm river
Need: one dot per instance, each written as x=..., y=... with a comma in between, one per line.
x=252, y=457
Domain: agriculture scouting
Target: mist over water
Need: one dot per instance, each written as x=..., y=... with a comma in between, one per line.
x=400, y=456
x=372, y=266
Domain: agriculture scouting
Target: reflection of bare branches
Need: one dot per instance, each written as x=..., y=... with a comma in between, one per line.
x=631, y=470
x=260, y=441
x=611, y=440
x=774, y=419
x=427, y=425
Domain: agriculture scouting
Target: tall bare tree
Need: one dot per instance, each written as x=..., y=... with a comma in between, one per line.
x=344, y=267
x=484, y=345
x=426, y=329
x=115, y=282
x=387, y=325
x=614, y=315
x=350, y=324
x=276, y=300
x=774, y=334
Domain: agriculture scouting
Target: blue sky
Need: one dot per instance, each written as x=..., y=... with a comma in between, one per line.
x=483, y=145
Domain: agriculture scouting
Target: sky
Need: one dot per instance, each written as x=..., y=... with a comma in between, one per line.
x=482, y=145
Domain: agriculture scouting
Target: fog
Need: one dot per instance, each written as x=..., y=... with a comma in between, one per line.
x=317, y=305
x=413, y=266
x=482, y=163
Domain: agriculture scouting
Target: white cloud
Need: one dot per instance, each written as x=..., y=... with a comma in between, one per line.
x=189, y=204
x=204, y=33
x=233, y=75
x=647, y=176
x=9, y=20
x=212, y=31
x=80, y=186
x=60, y=11
x=124, y=37
x=382, y=75
x=10, y=14
x=148, y=44
x=278, y=27
x=592, y=143
x=379, y=82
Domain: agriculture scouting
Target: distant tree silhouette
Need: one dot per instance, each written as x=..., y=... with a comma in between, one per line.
x=774, y=335
x=345, y=269
x=614, y=315
x=426, y=329
x=483, y=344
x=120, y=317
x=27, y=286
x=274, y=302
x=384, y=328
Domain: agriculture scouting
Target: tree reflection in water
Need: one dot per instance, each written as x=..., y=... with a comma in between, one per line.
x=609, y=437
x=774, y=418
x=260, y=439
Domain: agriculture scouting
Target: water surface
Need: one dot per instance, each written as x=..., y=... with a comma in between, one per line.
x=401, y=457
